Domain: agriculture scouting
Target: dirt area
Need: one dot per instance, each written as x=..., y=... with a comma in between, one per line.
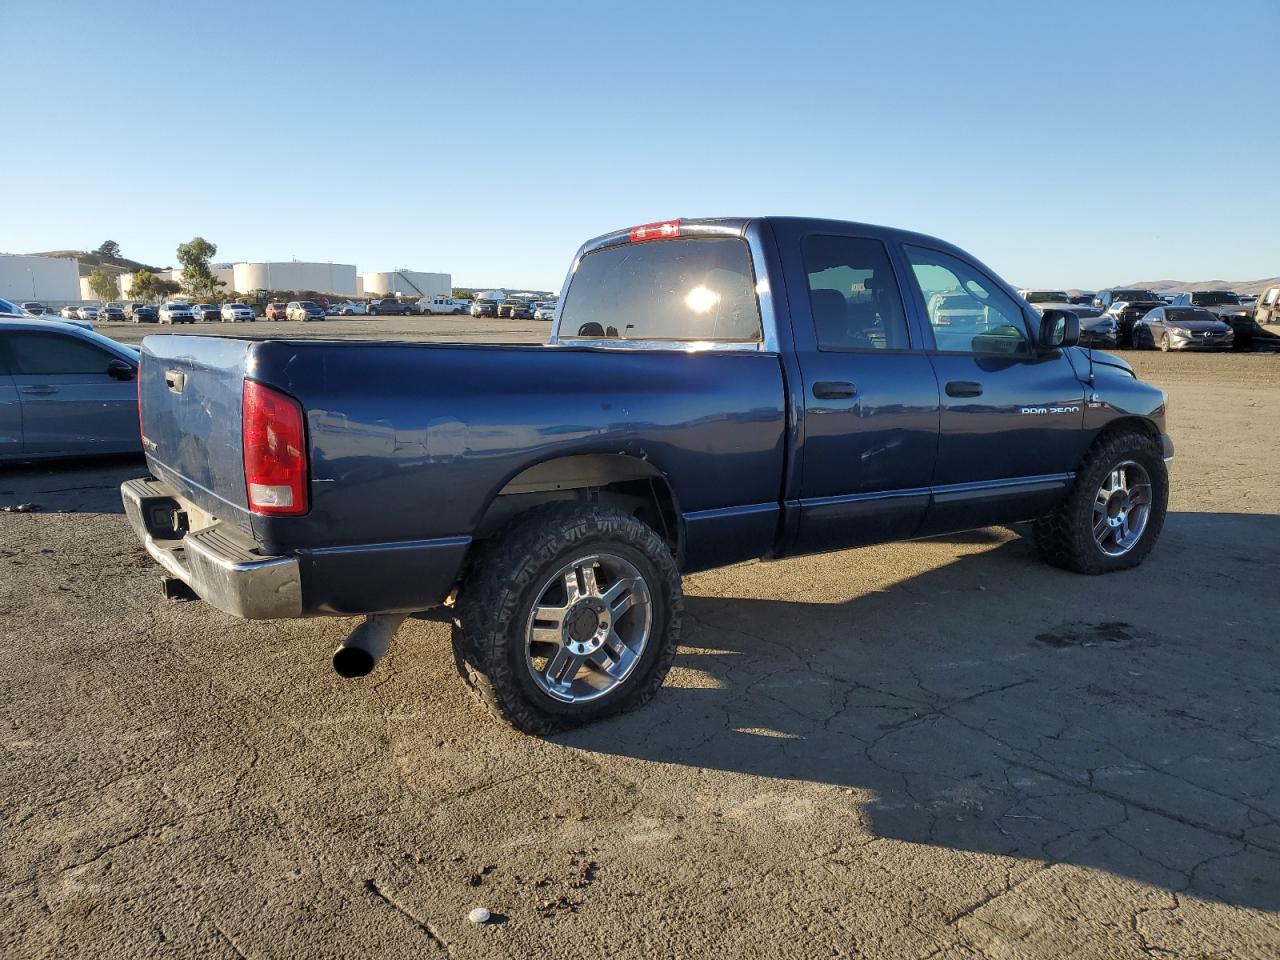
x=934, y=749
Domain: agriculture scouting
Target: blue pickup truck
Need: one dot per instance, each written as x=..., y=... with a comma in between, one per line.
x=713, y=391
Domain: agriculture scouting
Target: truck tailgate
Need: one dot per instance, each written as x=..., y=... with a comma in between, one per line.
x=191, y=389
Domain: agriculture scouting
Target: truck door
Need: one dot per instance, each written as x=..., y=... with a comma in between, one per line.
x=870, y=396
x=1012, y=417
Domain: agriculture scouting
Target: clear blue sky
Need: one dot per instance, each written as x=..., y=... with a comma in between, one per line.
x=1076, y=144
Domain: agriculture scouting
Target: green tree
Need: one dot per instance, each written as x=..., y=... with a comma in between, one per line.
x=108, y=248
x=167, y=288
x=462, y=293
x=194, y=256
x=144, y=286
x=105, y=286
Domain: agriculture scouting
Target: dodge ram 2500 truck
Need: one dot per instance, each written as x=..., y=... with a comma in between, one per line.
x=713, y=391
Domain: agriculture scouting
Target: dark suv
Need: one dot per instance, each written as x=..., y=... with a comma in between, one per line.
x=389, y=307
x=484, y=308
x=1127, y=305
x=141, y=313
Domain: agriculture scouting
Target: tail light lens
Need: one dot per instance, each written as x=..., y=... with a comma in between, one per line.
x=275, y=452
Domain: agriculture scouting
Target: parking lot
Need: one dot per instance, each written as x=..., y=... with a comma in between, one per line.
x=935, y=749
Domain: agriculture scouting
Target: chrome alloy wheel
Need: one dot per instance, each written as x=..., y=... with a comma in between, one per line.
x=588, y=628
x=1121, y=508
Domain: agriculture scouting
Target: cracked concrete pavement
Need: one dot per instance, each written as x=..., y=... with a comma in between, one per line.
x=934, y=749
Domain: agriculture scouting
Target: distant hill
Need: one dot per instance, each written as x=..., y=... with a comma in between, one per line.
x=1254, y=287
x=92, y=261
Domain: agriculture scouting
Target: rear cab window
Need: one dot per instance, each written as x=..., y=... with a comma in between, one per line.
x=691, y=289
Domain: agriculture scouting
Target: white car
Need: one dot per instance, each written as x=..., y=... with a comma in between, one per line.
x=87, y=313
x=348, y=308
x=545, y=311
x=236, y=313
x=440, y=305
x=177, y=313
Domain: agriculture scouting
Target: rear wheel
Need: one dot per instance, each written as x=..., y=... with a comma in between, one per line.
x=1164, y=341
x=571, y=615
x=1115, y=511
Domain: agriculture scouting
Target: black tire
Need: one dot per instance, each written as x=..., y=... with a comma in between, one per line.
x=1065, y=539
x=498, y=594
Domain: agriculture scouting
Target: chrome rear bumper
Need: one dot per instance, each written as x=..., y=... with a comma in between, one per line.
x=218, y=562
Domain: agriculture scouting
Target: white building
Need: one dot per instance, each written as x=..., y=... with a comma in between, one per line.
x=50, y=280
x=339, y=278
x=406, y=283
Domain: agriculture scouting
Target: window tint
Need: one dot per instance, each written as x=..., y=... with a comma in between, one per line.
x=854, y=297
x=968, y=312
x=50, y=354
x=687, y=289
x=1272, y=295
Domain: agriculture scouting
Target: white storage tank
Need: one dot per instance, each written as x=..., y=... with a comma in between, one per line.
x=46, y=279
x=339, y=278
x=407, y=283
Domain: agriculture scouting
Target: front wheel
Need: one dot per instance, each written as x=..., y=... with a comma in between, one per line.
x=1114, y=514
x=570, y=615
x=1164, y=342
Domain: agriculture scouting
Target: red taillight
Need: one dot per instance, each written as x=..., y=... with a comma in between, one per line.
x=275, y=452
x=663, y=230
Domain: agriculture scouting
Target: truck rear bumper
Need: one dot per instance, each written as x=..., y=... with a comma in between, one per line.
x=231, y=571
x=216, y=562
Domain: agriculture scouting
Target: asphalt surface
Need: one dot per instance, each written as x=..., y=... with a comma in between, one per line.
x=933, y=749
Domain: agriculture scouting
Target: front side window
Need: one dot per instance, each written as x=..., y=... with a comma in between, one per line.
x=853, y=295
x=968, y=312
x=691, y=289
x=47, y=354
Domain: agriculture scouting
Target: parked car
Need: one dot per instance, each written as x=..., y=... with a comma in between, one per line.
x=111, y=313
x=65, y=391
x=1226, y=306
x=237, y=313
x=389, y=306
x=1268, y=306
x=546, y=311
x=348, y=308
x=36, y=308
x=87, y=312
x=1182, y=328
x=275, y=311
x=438, y=305
x=516, y=309
x=69, y=313
x=1127, y=306
x=177, y=312
x=484, y=308
x=562, y=526
x=207, y=312
x=1084, y=297
x=304, y=310
x=142, y=313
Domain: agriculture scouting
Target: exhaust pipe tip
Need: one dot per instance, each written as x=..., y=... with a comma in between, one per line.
x=353, y=662
x=366, y=644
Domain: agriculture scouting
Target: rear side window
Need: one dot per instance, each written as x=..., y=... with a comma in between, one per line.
x=48, y=354
x=694, y=288
x=853, y=295
x=968, y=312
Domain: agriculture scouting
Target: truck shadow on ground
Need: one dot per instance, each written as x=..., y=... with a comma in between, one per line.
x=90, y=485
x=1127, y=723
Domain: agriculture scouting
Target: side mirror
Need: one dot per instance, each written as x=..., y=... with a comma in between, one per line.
x=1058, y=329
x=119, y=370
